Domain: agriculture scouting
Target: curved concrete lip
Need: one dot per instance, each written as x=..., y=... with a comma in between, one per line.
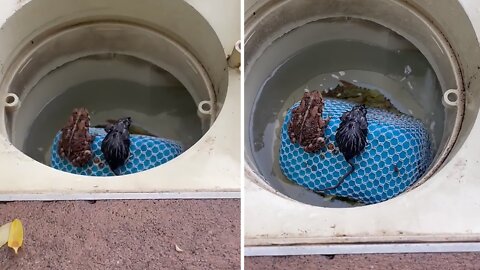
x=443, y=209
x=209, y=169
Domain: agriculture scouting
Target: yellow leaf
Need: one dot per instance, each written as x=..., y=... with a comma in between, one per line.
x=4, y=231
x=15, y=237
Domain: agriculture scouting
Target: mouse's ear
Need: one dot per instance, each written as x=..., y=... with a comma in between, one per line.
x=363, y=123
x=364, y=109
x=344, y=116
x=108, y=128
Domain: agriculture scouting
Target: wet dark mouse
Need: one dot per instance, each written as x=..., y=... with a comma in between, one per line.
x=116, y=144
x=351, y=137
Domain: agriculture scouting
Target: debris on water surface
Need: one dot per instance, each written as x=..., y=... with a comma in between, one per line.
x=407, y=70
x=333, y=198
x=370, y=97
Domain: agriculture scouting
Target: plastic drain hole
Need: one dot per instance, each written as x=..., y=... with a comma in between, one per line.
x=12, y=102
x=205, y=107
x=451, y=97
x=238, y=46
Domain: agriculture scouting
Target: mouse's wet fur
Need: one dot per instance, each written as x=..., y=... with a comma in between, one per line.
x=351, y=137
x=116, y=144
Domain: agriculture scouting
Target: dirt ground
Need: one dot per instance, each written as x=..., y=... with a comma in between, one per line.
x=358, y=262
x=125, y=234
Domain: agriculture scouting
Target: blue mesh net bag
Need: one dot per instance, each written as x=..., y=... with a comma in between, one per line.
x=397, y=154
x=145, y=153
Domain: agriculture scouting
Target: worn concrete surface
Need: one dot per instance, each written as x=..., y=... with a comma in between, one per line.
x=378, y=261
x=125, y=235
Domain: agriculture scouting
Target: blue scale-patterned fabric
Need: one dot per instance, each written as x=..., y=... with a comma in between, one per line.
x=145, y=153
x=398, y=153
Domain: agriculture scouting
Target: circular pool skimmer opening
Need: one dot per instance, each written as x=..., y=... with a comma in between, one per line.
x=318, y=47
x=115, y=65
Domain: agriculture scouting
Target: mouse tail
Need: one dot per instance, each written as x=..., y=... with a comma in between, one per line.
x=342, y=179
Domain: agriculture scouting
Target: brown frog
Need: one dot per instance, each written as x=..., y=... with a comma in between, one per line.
x=75, y=141
x=307, y=127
